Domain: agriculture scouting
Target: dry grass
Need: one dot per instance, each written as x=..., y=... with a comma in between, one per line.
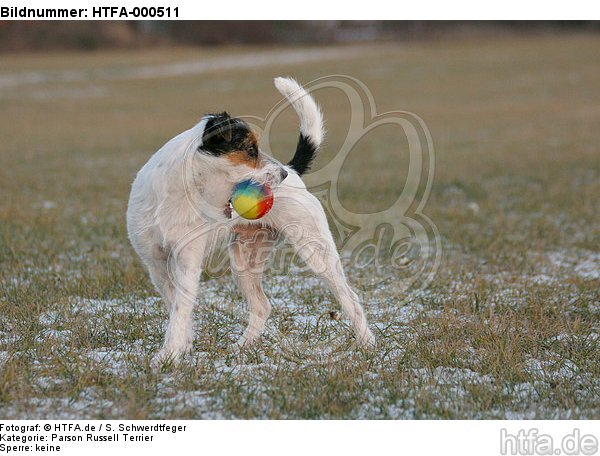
x=509, y=328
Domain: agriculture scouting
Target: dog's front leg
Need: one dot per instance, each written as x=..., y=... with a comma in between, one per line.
x=249, y=252
x=185, y=267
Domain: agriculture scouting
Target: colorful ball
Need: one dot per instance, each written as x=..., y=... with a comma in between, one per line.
x=252, y=200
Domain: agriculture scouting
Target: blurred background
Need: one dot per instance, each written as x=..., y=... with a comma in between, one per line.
x=83, y=35
x=514, y=112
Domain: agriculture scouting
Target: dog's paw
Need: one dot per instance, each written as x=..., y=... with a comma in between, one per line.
x=164, y=358
x=243, y=342
x=366, y=340
x=247, y=340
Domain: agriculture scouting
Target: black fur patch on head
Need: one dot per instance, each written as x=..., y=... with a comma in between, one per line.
x=224, y=134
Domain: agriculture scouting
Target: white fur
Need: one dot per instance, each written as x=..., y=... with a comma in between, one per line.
x=176, y=213
x=311, y=118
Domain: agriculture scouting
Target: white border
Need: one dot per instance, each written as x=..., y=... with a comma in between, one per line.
x=304, y=438
x=345, y=10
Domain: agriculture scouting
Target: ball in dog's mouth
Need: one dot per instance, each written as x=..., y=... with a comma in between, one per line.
x=252, y=200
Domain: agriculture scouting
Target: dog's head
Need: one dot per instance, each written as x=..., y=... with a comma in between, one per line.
x=234, y=147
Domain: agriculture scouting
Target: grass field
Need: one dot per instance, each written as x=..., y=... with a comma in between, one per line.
x=508, y=328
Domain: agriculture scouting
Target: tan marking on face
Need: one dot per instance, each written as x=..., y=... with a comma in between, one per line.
x=252, y=138
x=242, y=158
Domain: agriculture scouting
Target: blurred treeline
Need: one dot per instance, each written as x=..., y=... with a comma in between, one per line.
x=89, y=35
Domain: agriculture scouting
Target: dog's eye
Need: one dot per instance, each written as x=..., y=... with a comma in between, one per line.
x=253, y=151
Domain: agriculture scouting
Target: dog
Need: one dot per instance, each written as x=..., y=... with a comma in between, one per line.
x=179, y=207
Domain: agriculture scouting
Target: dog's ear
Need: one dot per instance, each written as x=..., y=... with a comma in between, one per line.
x=218, y=132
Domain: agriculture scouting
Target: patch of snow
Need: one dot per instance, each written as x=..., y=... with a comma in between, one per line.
x=8, y=339
x=63, y=408
x=584, y=263
x=61, y=335
x=111, y=360
x=408, y=313
x=591, y=337
x=553, y=370
x=19, y=282
x=103, y=306
x=403, y=410
x=48, y=382
x=49, y=318
x=522, y=393
x=305, y=320
x=203, y=404
x=543, y=279
x=520, y=415
x=452, y=376
x=87, y=405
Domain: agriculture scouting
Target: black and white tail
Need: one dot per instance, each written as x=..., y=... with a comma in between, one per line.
x=311, y=123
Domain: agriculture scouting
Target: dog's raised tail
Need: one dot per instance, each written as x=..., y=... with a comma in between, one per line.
x=311, y=123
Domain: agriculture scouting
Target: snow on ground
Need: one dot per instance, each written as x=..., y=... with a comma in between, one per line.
x=104, y=306
x=554, y=369
x=63, y=408
x=108, y=359
x=201, y=402
x=447, y=384
x=452, y=376
x=304, y=303
x=584, y=263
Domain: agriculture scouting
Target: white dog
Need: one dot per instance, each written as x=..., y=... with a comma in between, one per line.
x=179, y=206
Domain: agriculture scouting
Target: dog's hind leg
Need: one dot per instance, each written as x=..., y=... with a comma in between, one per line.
x=159, y=274
x=249, y=251
x=312, y=239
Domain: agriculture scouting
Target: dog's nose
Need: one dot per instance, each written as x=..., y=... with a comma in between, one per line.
x=284, y=174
